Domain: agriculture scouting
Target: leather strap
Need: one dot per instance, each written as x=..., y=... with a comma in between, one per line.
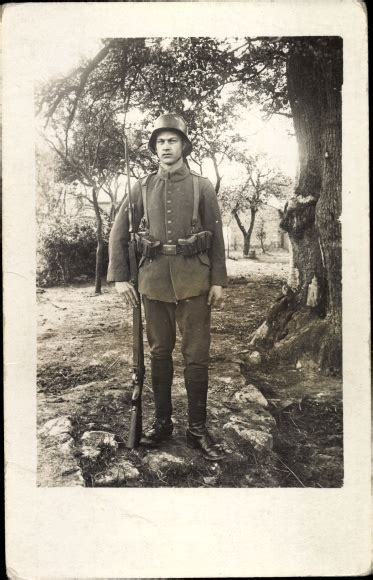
x=195, y=201
x=144, y=182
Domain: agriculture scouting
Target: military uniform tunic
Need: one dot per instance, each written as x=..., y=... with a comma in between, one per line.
x=171, y=278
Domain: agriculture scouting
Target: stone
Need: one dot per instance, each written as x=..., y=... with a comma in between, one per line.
x=57, y=427
x=60, y=439
x=67, y=447
x=210, y=480
x=118, y=475
x=58, y=466
x=74, y=478
x=255, y=358
x=261, y=441
x=99, y=438
x=130, y=471
x=162, y=461
x=250, y=394
x=258, y=418
x=97, y=443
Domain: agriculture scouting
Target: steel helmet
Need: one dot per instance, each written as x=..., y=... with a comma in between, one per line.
x=173, y=122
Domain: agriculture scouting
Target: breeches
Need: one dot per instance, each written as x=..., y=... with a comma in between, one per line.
x=193, y=318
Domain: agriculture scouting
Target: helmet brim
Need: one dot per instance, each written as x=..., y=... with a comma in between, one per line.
x=153, y=138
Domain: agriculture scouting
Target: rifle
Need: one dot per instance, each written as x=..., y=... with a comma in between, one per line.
x=138, y=369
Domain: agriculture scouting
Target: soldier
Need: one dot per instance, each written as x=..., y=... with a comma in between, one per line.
x=181, y=276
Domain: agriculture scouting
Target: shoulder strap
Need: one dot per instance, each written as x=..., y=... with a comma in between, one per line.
x=144, y=182
x=195, y=200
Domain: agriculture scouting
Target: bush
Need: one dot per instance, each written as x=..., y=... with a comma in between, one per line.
x=67, y=249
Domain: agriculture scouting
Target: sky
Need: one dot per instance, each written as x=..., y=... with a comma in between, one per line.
x=57, y=57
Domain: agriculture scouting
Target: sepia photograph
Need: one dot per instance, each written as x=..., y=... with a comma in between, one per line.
x=189, y=264
x=186, y=289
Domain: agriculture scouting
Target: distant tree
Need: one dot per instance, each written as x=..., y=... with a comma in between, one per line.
x=261, y=235
x=216, y=138
x=261, y=181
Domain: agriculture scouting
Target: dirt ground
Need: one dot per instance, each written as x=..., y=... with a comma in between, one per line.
x=84, y=360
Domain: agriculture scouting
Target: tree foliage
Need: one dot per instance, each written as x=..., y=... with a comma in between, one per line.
x=67, y=249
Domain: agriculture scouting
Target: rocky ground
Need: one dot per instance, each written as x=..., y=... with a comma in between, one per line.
x=281, y=427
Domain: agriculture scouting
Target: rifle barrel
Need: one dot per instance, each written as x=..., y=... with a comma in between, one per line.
x=135, y=428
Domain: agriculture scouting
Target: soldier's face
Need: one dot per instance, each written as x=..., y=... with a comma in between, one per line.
x=169, y=147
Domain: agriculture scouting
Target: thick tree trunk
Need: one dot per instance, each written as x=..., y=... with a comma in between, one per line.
x=100, y=243
x=311, y=218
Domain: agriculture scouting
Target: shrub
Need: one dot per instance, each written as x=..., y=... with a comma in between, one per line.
x=67, y=249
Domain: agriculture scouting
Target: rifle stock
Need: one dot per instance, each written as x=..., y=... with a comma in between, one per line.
x=135, y=428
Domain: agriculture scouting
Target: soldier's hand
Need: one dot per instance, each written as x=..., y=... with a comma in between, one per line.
x=215, y=296
x=127, y=290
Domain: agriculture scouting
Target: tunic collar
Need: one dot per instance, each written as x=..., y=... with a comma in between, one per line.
x=177, y=175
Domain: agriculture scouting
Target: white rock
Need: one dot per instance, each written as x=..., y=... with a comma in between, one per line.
x=255, y=358
x=130, y=471
x=260, y=440
x=118, y=475
x=77, y=479
x=56, y=427
x=95, y=438
x=258, y=418
x=67, y=446
x=250, y=394
x=96, y=442
x=62, y=438
x=162, y=461
x=210, y=480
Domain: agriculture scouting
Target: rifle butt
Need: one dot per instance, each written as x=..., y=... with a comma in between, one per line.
x=135, y=428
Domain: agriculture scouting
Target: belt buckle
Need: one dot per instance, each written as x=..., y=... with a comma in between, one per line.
x=169, y=249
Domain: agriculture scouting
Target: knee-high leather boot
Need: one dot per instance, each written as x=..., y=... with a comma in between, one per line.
x=197, y=435
x=162, y=426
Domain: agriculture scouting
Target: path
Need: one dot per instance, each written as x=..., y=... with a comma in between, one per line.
x=84, y=393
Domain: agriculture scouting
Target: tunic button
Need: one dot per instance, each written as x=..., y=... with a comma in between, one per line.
x=168, y=211
x=168, y=201
x=169, y=221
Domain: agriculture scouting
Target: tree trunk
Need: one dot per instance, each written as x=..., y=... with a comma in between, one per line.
x=217, y=173
x=246, y=234
x=100, y=243
x=311, y=218
x=247, y=239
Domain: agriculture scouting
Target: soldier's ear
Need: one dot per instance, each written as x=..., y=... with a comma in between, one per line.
x=185, y=146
